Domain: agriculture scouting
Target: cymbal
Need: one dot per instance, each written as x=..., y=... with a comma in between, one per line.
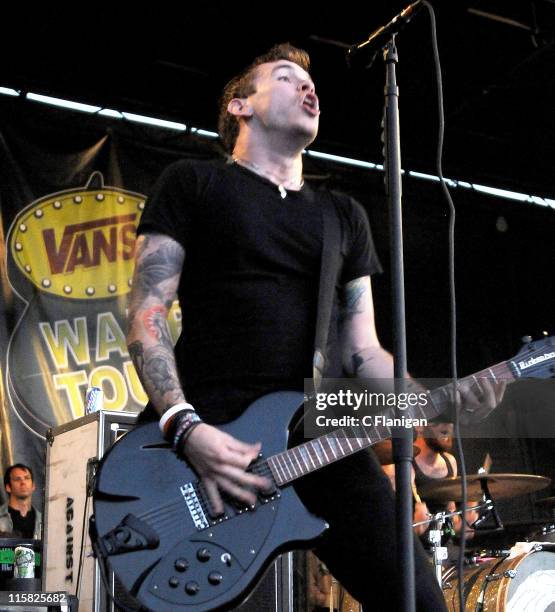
x=546, y=502
x=501, y=486
x=384, y=451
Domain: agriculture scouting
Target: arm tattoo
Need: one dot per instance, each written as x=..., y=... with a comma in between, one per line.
x=154, y=320
x=358, y=362
x=156, y=370
x=351, y=299
x=158, y=266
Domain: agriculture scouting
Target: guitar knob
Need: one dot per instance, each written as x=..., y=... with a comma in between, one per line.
x=192, y=588
x=173, y=582
x=215, y=578
x=526, y=339
x=203, y=555
x=181, y=565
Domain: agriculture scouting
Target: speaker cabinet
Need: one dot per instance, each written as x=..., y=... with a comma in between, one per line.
x=72, y=454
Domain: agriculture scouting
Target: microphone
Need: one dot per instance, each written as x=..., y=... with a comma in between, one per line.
x=380, y=37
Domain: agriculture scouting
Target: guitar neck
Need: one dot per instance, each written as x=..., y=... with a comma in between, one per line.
x=319, y=452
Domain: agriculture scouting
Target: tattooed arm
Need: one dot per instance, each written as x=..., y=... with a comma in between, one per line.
x=219, y=459
x=158, y=265
x=363, y=356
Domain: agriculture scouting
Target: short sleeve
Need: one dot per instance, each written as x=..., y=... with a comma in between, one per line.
x=360, y=256
x=170, y=205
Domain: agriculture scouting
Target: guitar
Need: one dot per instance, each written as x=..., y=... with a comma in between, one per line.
x=151, y=518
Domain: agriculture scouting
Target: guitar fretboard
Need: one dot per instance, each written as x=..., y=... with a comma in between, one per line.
x=319, y=452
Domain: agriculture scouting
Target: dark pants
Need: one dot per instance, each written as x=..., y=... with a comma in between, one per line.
x=355, y=497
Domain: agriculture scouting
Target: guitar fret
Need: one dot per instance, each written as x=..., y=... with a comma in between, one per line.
x=331, y=444
x=492, y=375
x=352, y=436
x=376, y=434
x=340, y=441
x=324, y=451
x=307, y=448
x=477, y=383
x=298, y=462
x=362, y=435
x=303, y=452
x=275, y=461
x=338, y=450
x=318, y=453
x=286, y=464
x=292, y=464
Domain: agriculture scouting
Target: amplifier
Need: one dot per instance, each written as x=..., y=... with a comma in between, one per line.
x=72, y=454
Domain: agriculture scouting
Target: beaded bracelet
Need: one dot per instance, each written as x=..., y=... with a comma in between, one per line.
x=186, y=422
x=172, y=426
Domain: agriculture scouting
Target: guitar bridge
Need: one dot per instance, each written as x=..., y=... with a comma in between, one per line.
x=194, y=505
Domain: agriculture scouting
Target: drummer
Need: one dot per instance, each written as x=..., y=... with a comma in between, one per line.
x=19, y=518
x=434, y=461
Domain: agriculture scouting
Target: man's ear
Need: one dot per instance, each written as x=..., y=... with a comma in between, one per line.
x=9, y=488
x=239, y=107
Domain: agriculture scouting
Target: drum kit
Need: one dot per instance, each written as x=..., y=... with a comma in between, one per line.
x=515, y=579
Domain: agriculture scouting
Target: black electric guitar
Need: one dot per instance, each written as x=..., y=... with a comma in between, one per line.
x=152, y=521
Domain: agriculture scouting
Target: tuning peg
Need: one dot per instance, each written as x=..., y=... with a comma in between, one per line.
x=526, y=339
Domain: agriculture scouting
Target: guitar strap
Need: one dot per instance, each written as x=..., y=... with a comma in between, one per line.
x=330, y=266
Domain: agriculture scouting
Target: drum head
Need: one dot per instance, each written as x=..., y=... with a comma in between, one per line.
x=533, y=587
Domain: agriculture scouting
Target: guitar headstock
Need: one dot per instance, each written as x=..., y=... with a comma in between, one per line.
x=536, y=359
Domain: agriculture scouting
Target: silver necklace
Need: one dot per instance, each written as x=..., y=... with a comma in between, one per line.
x=256, y=168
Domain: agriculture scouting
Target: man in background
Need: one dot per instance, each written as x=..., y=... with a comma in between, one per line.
x=19, y=518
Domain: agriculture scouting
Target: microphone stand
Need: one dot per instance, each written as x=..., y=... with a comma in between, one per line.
x=402, y=436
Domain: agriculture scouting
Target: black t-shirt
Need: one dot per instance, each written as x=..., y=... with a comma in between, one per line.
x=23, y=526
x=249, y=286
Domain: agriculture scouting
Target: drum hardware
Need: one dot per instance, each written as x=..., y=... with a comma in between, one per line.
x=439, y=552
x=506, y=574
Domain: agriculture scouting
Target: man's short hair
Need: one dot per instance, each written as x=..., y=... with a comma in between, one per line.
x=243, y=85
x=8, y=472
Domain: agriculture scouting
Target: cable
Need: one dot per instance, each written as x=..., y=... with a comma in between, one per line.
x=452, y=294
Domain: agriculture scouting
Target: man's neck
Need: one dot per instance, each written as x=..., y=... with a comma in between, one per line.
x=281, y=167
x=23, y=506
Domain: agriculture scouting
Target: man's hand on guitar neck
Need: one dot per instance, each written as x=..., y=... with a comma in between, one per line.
x=221, y=462
x=477, y=399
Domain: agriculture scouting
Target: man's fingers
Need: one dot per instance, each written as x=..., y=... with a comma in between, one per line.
x=500, y=390
x=250, y=451
x=243, y=478
x=214, y=496
x=236, y=491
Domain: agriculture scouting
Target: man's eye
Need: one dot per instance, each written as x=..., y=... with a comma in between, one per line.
x=284, y=78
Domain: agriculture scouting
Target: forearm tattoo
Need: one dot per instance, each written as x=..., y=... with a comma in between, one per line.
x=159, y=264
x=156, y=369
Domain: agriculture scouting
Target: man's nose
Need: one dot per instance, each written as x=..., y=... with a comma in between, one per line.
x=307, y=86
